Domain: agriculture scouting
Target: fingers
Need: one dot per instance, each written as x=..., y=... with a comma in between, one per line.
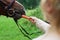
x=34, y=18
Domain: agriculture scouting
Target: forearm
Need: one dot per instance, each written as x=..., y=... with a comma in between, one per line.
x=42, y=25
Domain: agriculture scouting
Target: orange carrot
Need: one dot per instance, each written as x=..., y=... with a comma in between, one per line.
x=26, y=17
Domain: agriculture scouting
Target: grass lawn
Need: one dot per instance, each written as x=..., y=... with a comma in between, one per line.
x=10, y=31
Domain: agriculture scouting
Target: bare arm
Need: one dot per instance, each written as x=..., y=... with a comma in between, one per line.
x=41, y=24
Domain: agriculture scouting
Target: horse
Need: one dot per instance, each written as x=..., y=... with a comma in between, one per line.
x=12, y=8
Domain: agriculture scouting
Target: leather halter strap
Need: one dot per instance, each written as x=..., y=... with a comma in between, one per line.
x=8, y=6
x=11, y=4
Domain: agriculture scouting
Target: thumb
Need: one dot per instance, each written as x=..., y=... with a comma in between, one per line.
x=34, y=18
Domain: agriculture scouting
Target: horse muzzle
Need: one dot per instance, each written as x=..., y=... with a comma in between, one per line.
x=15, y=14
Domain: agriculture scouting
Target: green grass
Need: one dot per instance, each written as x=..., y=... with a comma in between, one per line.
x=10, y=31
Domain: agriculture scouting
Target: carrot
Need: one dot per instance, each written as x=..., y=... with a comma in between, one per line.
x=29, y=18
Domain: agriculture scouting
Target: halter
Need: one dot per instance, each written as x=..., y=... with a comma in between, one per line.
x=5, y=6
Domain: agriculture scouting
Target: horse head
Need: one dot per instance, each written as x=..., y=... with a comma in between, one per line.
x=12, y=8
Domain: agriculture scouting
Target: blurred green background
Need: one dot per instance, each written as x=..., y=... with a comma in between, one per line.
x=9, y=29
